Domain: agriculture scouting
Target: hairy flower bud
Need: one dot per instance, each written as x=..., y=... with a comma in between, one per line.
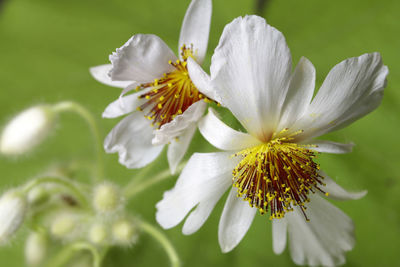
x=27, y=130
x=106, y=198
x=13, y=207
x=35, y=248
x=124, y=232
x=64, y=225
x=98, y=233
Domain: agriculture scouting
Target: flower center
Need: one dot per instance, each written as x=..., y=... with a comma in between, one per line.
x=277, y=176
x=172, y=94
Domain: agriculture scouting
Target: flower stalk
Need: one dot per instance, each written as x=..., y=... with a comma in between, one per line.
x=91, y=121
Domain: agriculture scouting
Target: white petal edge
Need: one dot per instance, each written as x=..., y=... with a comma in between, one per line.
x=235, y=221
x=324, y=239
x=352, y=89
x=143, y=58
x=325, y=146
x=222, y=136
x=279, y=235
x=100, y=73
x=251, y=68
x=337, y=192
x=196, y=28
x=203, y=180
x=202, y=80
x=179, y=124
x=125, y=104
x=131, y=138
x=299, y=95
x=178, y=148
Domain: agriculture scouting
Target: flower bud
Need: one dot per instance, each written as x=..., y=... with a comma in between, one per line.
x=38, y=195
x=124, y=232
x=13, y=207
x=98, y=234
x=64, y=226
x=27, y=130
x=106, y=198
x=35, y=248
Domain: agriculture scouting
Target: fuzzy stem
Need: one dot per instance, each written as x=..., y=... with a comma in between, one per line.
x=65, y=183
x=134, y=187
x=88, y=117
x=68, y=252
x=164, y=242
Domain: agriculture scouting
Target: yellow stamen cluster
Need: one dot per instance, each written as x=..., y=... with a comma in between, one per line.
x=172, y=94
x=277, y=175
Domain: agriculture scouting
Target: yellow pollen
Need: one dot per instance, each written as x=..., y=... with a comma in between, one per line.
x=173, y=93
x=277, y=176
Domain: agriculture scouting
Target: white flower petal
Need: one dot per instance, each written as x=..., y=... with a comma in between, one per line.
x=236, y=219
x=279, y=235
x=178, y=148
x=352, y=89
x=202, y=80
x=196, y=27
x=179, y=124
x=222, y=136
x=142, y=59
x=251, y=69
x=331, y=147
x=299, y=95
x=125, y=104
x=204, y=179
x=100, y=73
x=336, y=192
x=324, y=239
x=131, y=138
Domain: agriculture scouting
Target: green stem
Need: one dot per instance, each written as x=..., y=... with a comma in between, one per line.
x=134, y=187
x=88, y=117
x=96, y=255
x=68, y=252
x=65, y=183
x=164, y=242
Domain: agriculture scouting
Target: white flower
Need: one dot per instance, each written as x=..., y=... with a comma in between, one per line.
x=13, y=207
x=168, y=103
x=272, y=166
x=27, y=130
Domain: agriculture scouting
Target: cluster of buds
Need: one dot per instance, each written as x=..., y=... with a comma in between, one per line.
x=71, y=216
x=59, y=211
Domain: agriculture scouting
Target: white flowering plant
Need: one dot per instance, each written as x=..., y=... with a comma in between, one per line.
x=240, y=130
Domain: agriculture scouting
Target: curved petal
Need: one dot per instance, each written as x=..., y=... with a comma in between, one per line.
x=196, y=28
x=202, y=80
x=222, y=136
x=131, y=138
x=100, y=73
x=125, y=104
x=299, y=95
x=352, y=89
x=251, y=69
x=235, y=221
x=324, y=239
x=331, y=147
x=178, y=148
x=142, y=59
x=336, y=192
x=203, y=180
x=179, y=124
x=279, y=235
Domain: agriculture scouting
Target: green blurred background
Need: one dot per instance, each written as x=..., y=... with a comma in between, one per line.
x=47, y=47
